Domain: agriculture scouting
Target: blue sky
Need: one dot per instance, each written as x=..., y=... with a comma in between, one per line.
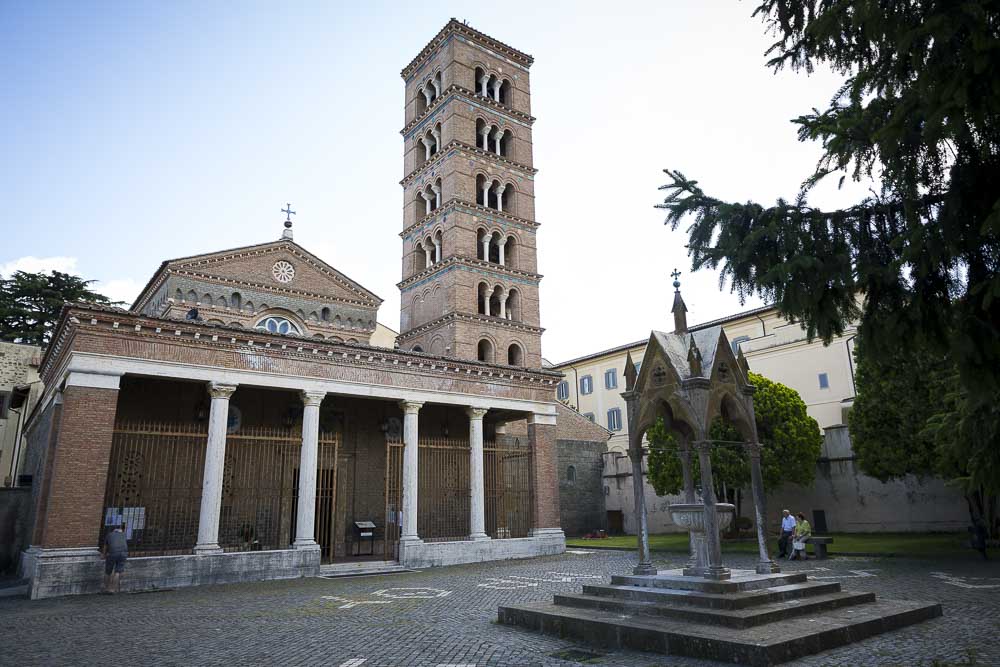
x=137, y=132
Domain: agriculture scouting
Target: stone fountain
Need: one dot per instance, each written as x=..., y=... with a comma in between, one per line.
x=757, y=616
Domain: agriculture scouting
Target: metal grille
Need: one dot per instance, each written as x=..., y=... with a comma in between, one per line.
x=393, y=497
x=326, y=495
x=258, y=482
x=509, y=492
x=443, y=504
x=154, y=485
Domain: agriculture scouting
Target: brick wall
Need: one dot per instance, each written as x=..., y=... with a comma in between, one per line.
x=78, y=469
x=543, y=442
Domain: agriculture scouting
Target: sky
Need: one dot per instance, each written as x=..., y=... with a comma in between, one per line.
x=138, y=132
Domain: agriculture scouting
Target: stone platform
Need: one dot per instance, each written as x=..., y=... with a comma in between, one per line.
x=751, y=619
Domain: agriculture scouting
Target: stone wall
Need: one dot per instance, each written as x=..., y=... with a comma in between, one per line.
x=854, y=502
x=581, y=493
x=15, y=510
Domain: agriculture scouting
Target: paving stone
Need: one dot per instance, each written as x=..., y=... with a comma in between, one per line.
x=447, y=616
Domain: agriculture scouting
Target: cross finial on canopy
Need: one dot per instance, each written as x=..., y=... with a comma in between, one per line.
x=675, y=275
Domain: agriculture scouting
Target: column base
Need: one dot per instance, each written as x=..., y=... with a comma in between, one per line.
x=644, y=569
x=768, y=567
x=305, y=545
x=717, y=572
x=547, y=532
x=476, y=537
x=207, y=549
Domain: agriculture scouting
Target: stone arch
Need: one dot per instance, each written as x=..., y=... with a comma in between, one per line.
x=207, y=300
x=236, y=301
x=515, y=354
x=483, y=293
x=505, y=92
x=324, y=314
x=352, y=340
x=417, y=348
x=192, y=297
x=179, y=296
x=249, y=307
x=725, y=404
x=335, y=339
x=222, y=302
x=437, y=345
x=514, y=305
x=485, y=350
x=512, y=251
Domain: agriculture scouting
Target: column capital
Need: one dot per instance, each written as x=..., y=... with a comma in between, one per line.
x=703, y=445
x=476, y=413
x=221, y=390
x=753, y=449
x=542, y=419
x=312, y=397
x=411, y=407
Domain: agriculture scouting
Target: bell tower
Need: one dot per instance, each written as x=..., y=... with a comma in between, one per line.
x=470, y=284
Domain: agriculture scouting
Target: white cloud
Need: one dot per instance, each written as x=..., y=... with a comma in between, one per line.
x=32, y=264
x=121, y=289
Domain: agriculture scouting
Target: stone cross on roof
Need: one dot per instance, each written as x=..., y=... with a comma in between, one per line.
x=287, y=234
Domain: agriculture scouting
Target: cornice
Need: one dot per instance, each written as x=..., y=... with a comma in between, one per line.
x=95, y=320
x=472, y=209
x=469, y=317
x=455, y=91
x=470, y=262
x=456, y=27
x=449, y=150
x=273, y=289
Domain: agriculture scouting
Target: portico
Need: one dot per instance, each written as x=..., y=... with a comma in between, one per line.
x=236, y=455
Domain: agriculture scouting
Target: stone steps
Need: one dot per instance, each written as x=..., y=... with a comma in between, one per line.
x=741, y=618
x=767, y=644
x=739, y=600
x=741, y=580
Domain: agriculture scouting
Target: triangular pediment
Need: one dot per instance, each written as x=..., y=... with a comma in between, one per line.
x=281, y=267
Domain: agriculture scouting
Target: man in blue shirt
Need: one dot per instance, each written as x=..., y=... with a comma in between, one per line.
x=115, y=555
x=787, y=529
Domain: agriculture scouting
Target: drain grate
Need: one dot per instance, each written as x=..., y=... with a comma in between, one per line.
x=577, y=655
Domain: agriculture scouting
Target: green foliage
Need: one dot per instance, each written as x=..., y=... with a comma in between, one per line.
x=30, y=304
x=791, y=442
x=913, y=416
x=918, y=115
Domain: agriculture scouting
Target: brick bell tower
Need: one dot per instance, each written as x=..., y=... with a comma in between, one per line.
x=470, y=281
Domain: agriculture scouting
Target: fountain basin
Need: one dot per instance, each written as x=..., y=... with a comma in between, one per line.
x=692, y=515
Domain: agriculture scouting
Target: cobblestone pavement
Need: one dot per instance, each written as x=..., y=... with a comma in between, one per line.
x=447, y=616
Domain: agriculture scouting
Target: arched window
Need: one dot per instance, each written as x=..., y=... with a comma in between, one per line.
x=485, y=350
x=514, y=305
x=278, y=325
x=505, y=143
x=505, y=93
x=419, y=258
x=417, y=348
x=483, y=292
x=514, y=355
x=571, y=474
x=510, y=253
x=324, y=314
x=236, y=301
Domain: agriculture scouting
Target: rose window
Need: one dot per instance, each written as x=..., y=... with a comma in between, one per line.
x=283, y=271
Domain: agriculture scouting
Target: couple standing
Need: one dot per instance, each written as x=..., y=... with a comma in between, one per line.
x=796, y=529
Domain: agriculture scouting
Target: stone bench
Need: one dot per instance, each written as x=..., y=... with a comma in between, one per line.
x=819, y=545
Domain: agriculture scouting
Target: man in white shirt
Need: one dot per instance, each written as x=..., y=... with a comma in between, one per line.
x=787, y=530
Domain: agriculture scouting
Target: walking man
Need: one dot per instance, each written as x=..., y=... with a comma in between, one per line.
x=787, y=529
x=115, y=555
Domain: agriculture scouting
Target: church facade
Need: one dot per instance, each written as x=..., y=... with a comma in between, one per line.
x=241, y=425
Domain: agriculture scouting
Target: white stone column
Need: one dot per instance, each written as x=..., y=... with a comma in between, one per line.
x=484, y=81
x=497, y=136
x=477, y=483
x=215, y=461
x=485, y=133
x=427, y=148
x=436, y=189
x=305, y=521
x=500, y=197
x=486, y=246
x=437, y=87
x=427, y=202
x=503, y=305
x=411, y=470
x=437, y=137
x=501, y=245
x=496, y=90
x=437, y=250
x=428, y=257
x=427, y=95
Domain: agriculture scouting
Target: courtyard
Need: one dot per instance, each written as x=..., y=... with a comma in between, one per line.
x=447, y=616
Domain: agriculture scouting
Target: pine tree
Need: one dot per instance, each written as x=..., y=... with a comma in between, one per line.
x=30, y=304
